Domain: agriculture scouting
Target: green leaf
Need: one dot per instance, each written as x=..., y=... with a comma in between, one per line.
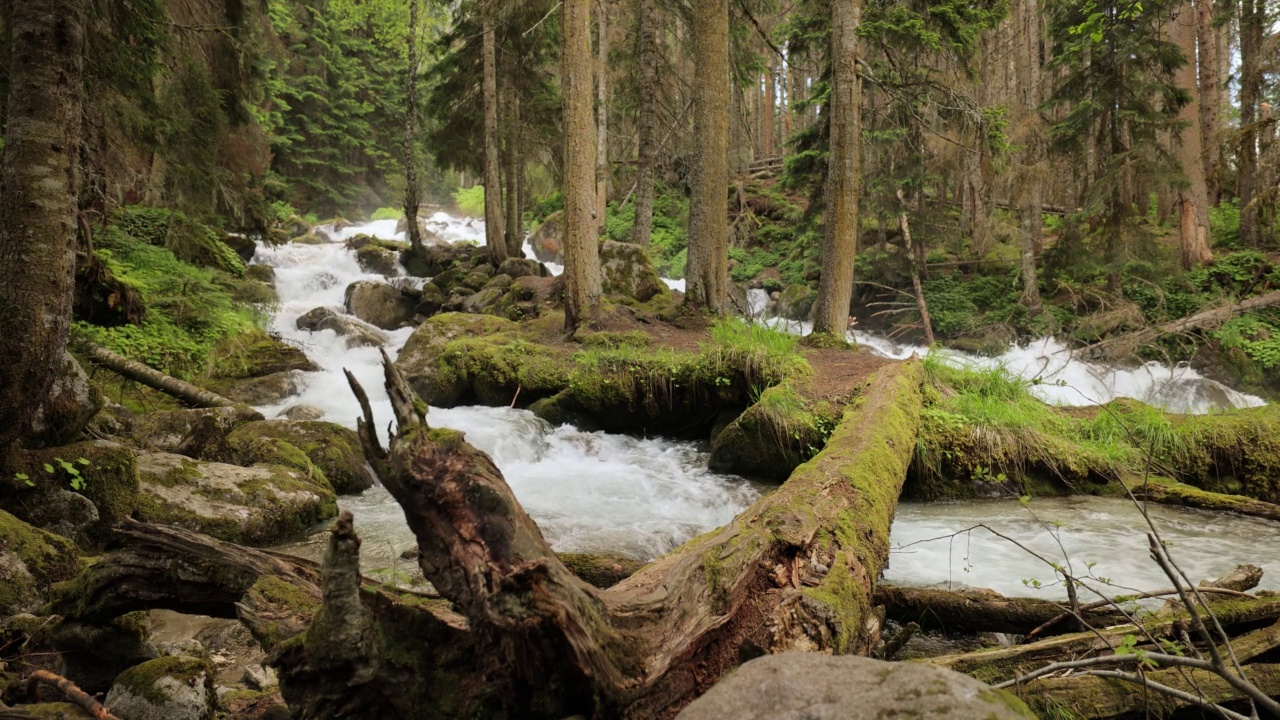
x=48, y=468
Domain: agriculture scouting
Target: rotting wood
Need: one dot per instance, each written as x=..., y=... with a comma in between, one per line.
x=791, y=572
x=152, y=378
x=981, y=610
x=1123, y=345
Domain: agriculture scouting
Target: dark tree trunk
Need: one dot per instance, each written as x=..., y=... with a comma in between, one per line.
x=493, y=220
x=707, y=272
x=582, y=279
x=410, y=136
x=38, y=203
x=647, y=120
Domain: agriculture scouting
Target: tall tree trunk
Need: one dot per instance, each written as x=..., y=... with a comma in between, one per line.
x=707, y=272
x=840, y=239
x=770, y=79
x=513, y=234
x=1193, y=201
x=602, y=114
x=582, y=281
x=493, y=221
x=647, y=120
x=410, y=136
x=1210, y=98
x=1251, y=21
x=38, y=202
x=1030, y=215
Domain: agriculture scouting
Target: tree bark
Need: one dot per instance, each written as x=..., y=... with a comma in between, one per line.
x=770, y=82
x=647, y=122
x=980, y=610
x=582, y=277
x=794, y=571
x=602, y=115
x=1123, y=345
x=707, y=271
x=1210, y=98
x=1251, y=32
x=1193, y=201
x=38, y=201
x=493, y=220
x=152, y=378
x=840, y=239
x=514, y=232
x=410, y=136
x=912, y=257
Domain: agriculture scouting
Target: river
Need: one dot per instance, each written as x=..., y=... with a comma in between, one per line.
x=641, y=497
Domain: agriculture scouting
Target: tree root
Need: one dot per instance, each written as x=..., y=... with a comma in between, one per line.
x=73, y=693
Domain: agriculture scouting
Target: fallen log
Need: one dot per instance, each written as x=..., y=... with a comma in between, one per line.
x=982, y=610
x=1191, y=496
x=73, y=693
x=1006, y=663
x=152, y=378
x=1122, y=345
x=1110, y=695
x=794, y=571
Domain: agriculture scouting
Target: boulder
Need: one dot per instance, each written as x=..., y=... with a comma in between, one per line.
x=374, y=259
x=259, y=505
x=242, y=244
x=433, y=260
x=255, y=355
x=628, y=272
x=500, y=281
x=431, y=301
x=332, y=448
x=108, y=480
x=520, y=267
x=167, y=430
x=93, y=655
x=167, y=688
x=379, y=304
x=302, y=412
x=66, y=409
x=420, y=359
x=814, y=686
x=548, y=240
x=353, y=331
x=796, y=302
x=261, y=273
x=482, y=301
x=310, y=238
x=429, y=237
x=62, y=512
x=31, y=561
x=267, y=390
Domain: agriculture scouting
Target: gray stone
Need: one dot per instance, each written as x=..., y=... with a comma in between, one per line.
x=259, y=505
x=302, y=412
x=270, y=389
x=67, y=408
x=169, y=688
x=482, y=301
x=258, y=677
x=379, y=304
x=628, y=271
x=353, y=331
x=812, y=686
x=548, y=240
x=377, y=260
x=501, y=281
x=166, y=430
x=93, y=655
x=796, y=302
x=62, y=512
x=520, y=267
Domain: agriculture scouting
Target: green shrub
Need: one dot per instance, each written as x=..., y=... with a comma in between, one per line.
x=1257, y=336
x=387, y=213
x=470, y=200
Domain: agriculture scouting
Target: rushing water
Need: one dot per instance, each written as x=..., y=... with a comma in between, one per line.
x=599, y=492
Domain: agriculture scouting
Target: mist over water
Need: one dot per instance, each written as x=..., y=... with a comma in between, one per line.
x=642, y=497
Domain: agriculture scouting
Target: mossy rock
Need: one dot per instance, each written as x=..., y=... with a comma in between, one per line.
x=379, y=304
x=256, y=354
x=270, y=389
x=432, y=368
x=94, y=654
x=167, y=430
x=310, y=238
x=628, y=272
x=331, y=448
x=376, y=260
x=259, y=505
x=70, y=404
x=1235, y=452
x=796, y=302
x=168, y=688
x=108, y=472
x=52, y=711
x=31, y=561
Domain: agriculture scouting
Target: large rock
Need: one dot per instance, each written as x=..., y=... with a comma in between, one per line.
x=332, y=448
x=270, y=389
x=168, y=430
x=94, y=654
x=813, y=686
x=434, y=260
x=420, y=359
x=628, y=271
x=67, y=408
x=548, y=240
x=31, y=560
x=167, y=688
x=483, y=300
x=379, y=304
x=257, y=354
x=260, y=505
x=107, y=480
x=353, y=331
x=796, y=302
x=377, y=260
x=520, y=267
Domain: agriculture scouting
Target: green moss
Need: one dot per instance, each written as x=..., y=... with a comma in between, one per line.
x=55, y=711
x=1235, y=452
x=110, y=475
x=255, y=354
x=141, y=680
x=47, y=557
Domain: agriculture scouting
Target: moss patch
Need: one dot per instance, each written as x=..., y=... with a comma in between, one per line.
x=45, y=559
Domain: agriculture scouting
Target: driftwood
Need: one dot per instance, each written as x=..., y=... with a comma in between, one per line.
x=794, y=571
x=73, y=693
x=982, y=610
x=152, y=378
x=1126, y=344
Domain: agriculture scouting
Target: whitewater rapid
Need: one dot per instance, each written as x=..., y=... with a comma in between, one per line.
x=642, y=497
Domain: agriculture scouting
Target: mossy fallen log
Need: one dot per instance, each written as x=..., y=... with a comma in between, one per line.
x=794, y=571
x=1167, y=492
x=980, y=610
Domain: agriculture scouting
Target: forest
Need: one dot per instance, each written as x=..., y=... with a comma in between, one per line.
x=639, y=359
